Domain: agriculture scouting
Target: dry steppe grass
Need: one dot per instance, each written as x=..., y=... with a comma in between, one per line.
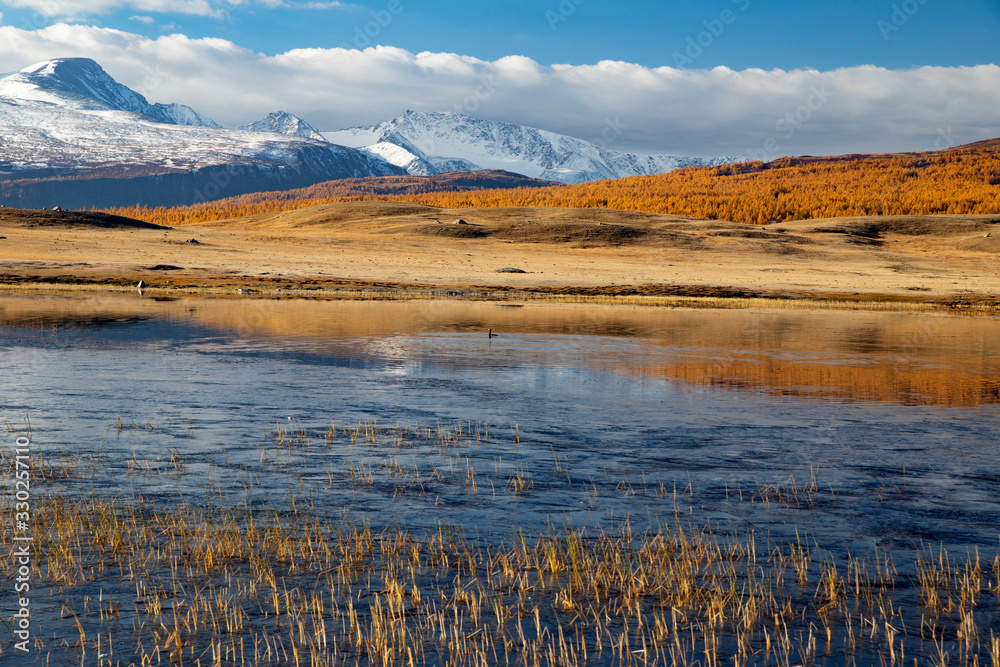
x=416, y=246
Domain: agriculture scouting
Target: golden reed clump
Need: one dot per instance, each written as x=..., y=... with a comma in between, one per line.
x=136, y=581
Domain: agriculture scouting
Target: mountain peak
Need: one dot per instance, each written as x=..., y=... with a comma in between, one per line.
x=283, y=122
x=82, y=84
x=77, y=82
x=432, y=142
x=62, y=66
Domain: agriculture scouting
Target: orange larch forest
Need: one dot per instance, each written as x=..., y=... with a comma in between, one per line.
x=963, y=180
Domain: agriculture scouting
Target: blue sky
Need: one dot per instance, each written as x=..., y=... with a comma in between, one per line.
x=723, y=77
x=755, y=34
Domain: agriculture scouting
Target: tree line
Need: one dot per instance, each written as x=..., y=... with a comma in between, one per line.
x=964, y=180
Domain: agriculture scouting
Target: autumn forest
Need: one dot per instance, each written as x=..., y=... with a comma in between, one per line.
x=963, y=180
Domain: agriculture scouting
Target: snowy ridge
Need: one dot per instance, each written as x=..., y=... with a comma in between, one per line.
x=429, y=143
x=94, y=142
x=82, y=84
x=398, y=156
x=282, y=122
x=180, y=114
x=68, y=118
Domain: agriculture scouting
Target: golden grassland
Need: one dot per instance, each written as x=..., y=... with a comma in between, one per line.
x=359, y=249
x=964, y=180
x=916, y=228
x=133, y=582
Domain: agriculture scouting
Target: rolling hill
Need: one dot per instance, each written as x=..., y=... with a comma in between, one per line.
x=963, y=180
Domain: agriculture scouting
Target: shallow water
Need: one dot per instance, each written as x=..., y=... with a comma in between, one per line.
x=858, y=431
x=894, y=416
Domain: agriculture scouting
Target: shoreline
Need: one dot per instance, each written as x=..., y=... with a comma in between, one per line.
x=652, y=296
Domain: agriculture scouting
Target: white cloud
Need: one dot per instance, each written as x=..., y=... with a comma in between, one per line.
x=213, y=8
x=60, y=8
x=142, y=19
x=691, y=112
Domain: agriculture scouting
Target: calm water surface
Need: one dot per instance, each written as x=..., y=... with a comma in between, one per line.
x=860, y=434
x=892, y=421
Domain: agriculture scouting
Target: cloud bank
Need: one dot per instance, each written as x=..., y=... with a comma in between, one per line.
x=213, y=8
x=761, y=114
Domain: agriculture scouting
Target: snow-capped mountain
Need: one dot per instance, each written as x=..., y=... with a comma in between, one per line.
x=70, y=135
x=432, y=143
x=96, y=142
x=283, y=122
x=82, y=84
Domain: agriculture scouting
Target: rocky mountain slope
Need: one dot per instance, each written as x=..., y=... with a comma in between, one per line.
x=432, y=143
x=73, y=136
x=283, y=122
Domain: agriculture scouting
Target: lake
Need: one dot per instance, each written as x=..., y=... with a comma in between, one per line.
x=868, y=441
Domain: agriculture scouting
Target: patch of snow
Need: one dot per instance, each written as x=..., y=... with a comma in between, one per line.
x=355, y=137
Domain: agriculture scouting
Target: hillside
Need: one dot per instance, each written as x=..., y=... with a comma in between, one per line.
x=349, y=189
x=452, y=181
x=35, y=219
x=963, y=180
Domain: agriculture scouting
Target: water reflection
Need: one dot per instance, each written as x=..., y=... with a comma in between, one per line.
x=910, y=359
x=714, y=399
